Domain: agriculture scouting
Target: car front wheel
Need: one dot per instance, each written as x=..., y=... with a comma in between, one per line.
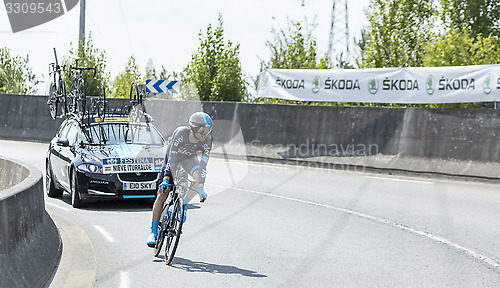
x=75, y=195
x=50, y=187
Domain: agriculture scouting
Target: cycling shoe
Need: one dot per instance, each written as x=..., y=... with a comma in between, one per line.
x=151, y=240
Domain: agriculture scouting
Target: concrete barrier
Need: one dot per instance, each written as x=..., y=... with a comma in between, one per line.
x=459, y=142
x=30, y=245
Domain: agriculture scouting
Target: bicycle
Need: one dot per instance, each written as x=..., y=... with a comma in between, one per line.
x=57, y=92
x=98, y=105
x=78, y=98
x=170, y=227
x=137, y=110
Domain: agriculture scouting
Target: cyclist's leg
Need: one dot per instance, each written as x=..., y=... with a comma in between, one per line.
x=161, y=196
x=192, y=166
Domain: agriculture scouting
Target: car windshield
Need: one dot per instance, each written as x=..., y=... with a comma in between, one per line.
x=121, y=133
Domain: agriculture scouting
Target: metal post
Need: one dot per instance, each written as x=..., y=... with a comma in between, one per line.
x=81, y=38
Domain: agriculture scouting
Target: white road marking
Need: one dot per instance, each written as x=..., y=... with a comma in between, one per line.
x=124, y=279
x=399, y=179
x=75, y=234
x=56, y=206
x=105, y=233
x=476, y=255
x=80, y=278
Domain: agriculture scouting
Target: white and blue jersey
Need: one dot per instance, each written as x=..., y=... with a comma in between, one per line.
x=183, y=152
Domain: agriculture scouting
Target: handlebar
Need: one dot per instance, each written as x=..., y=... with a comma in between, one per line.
x=56, y=68
x=84, y=68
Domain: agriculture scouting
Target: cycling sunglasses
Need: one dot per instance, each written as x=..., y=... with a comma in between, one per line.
x=204, y=130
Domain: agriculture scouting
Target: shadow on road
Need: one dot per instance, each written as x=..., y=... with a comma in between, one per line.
x=198, y=266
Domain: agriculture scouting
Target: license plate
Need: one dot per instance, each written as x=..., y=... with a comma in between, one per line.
x=139, y=186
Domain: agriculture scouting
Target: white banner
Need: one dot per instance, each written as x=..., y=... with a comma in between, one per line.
x=384, y=85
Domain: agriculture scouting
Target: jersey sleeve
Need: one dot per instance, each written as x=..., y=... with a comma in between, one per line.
x=206, y=147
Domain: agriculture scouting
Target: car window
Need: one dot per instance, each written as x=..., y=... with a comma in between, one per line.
x=119, y=133
x=58, y=134
x=64, y=130
x=73, y=130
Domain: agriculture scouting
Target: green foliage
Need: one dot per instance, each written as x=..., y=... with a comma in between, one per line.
x=164, y=74
x=479, y=17
x=124, y=80
x=16, y=76
x=397, y=32
x=294, y=48
x=458, y=48
x=215, y=69
x=150, y=70
x=89, y=57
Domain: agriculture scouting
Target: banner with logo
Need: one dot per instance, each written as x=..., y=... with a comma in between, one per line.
x=419, y=85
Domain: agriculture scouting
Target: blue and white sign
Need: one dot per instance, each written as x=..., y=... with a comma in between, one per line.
x=162, y=86
x=126, y=164
x=118, y=165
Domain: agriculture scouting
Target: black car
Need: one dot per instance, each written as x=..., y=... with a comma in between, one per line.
x=110, y=158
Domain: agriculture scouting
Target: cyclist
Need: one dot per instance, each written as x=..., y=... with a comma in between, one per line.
x=185, y=143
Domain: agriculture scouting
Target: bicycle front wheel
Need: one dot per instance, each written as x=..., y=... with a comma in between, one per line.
x=162, y=229
x=52, y=102
x=81, y=97
x=174, y=230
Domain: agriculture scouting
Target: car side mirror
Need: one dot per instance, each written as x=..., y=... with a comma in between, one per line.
x=64, y=142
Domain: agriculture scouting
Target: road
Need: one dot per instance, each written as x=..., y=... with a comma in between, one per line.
x=266, y=225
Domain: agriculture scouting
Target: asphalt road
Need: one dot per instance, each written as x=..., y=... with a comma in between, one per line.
x=266, y=225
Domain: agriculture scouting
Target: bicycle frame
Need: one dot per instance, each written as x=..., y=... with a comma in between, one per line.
x=57, y=94
x=77, y=96
x=136, y=99
x=171, y=226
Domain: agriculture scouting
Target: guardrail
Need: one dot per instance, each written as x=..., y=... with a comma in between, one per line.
x=457, y=142
x=30, y=245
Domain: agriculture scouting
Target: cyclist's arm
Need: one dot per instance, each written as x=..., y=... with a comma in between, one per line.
x=205, y=156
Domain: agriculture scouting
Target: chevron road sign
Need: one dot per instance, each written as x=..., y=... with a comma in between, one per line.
x=162, y=86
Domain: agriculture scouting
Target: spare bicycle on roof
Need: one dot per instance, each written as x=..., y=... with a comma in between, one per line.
x=76, y=102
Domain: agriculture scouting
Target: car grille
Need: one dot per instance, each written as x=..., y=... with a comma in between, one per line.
x=133, y=177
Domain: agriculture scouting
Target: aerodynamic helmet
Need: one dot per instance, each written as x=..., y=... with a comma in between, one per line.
x=201, y=123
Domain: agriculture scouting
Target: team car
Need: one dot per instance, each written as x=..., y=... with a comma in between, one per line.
x=99, y=158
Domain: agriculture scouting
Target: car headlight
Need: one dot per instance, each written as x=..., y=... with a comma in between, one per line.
x=91, y=168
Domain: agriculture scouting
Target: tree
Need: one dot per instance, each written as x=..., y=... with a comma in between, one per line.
x=458, y=48
x=215, y=69
x=397, y=32
x=15, y=75
x=88, y=56
x=150, y=70
x=124, y=80
x=479, y=17
x=294, y=48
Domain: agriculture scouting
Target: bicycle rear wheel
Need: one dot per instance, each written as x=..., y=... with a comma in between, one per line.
x=174, y=231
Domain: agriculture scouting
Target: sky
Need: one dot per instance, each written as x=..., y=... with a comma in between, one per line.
x=168, y=31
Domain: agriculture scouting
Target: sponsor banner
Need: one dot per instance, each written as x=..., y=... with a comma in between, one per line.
x=128, y=165
x=420, y=85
